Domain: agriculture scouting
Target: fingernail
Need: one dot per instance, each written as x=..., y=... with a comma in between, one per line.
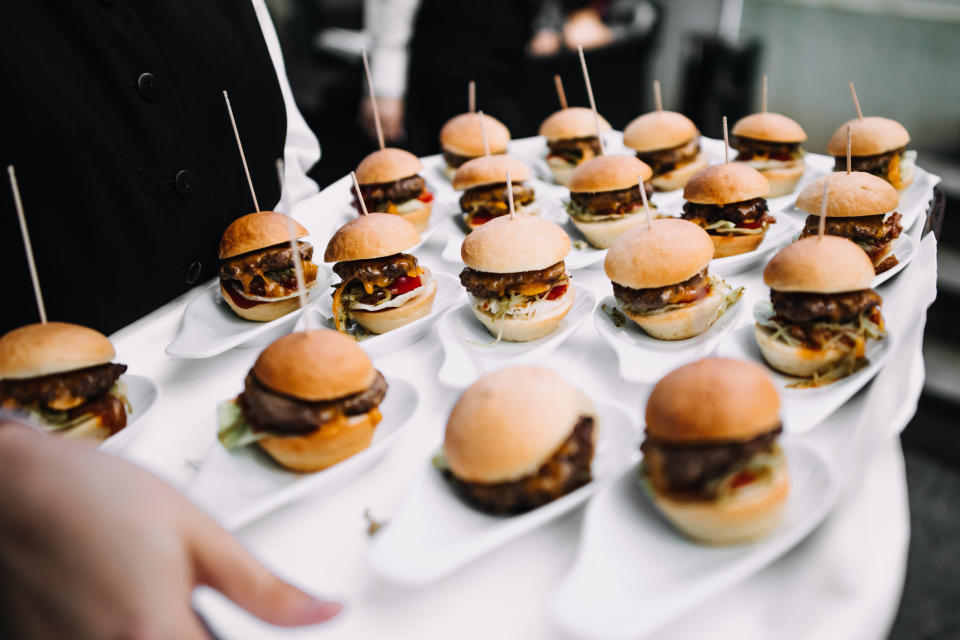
x=320, y=610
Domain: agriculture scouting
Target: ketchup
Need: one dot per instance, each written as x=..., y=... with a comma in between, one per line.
x=425, y=197
x=238, y=299
x=557, y=291
x=743, y=478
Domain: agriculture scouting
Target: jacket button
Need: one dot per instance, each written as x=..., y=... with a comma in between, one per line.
x=184, y=182
x=193, y=272
x=147, y=86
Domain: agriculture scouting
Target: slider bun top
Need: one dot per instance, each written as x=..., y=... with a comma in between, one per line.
x=257, y=230
x=856, y=194
x=659, y=130
x=374, y=235
x=462, y=135
x=772, y=127
x=671, y=251
x=713, y=400
x=868, y=137
x=315, y=365
x=830, y=264
x=726, y=183
x=574, y=122
x=490, y=169
x=55, y=347
x=387, y=165
x=508, y=423
x=608, y=173
x=511, y=245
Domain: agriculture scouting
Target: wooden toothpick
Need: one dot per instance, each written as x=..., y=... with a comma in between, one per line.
x=243, y=157
x=763, y=95
x=561, y=94
x=657, y=98
x=646, y=205
x=356, y=185
x=28, y=247
x=823, y=207
x=593, y=103
x=472, y=97
x=856, y=102
x=510, y=195
x=373, y=99
x=483, y=133
x=848, y=150
x=726, y=142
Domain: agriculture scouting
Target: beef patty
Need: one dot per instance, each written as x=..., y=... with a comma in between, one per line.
x=748, y=148
x=748, y=211
x=276, y=258
x=61, y=391
x=492, y=199
x=574, y=149
x=641, y=300
x=824, y=307
x=495, y=285
x=608, y=203
x=379, y=196
x=666, y=160
x=878, y=165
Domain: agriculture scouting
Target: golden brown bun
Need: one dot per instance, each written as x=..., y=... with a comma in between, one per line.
x=830, y=264
x=783, y=180
x=42, y=349
x=462, y=135
x=257, y=231
x=659, y=130
x=490, y=170
x=387, y=165
x=320, y=364
x=332, y=443
x=511, y=245
x=374, y=235
x=671, y=251
x=608, y=173
x=604, y=233
x=750, y=514
x=796, y=361
x=725, y=183
x=868, y=137
x=685, y=322
x=770, y=127
x=713, y=400
x=678, y=178
x=419, y=218
x=389, y=319
x=265, y=311
x=508, y=423
x=527, y=329
x=854, y=194
x=573, y=122
x=734, y=245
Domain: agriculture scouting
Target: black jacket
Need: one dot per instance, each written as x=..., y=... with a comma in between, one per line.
x=114, y=119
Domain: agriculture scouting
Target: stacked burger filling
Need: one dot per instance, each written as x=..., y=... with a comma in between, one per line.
x=822, y=320
x=375, y=284
x=399, y=196
x=888, y=165
x=736, y=218
x=486, y=202
x=515, y=294
x=766, y=154
x=608, y=205
x=662, y=299
x=266, y=275
x=874, y=234
x=664, y=161
x=573, y=151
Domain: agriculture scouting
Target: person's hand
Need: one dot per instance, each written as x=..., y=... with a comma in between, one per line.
x=93, y=547
x=391, y=118
x=585, y=28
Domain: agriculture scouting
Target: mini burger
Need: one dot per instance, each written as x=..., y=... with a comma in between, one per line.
x=771, y=144
x=877, y=146
x=571, y=140
x=462, y=139
x=257, y=276
x=728, y=201
x=61, y=376
x=310, y=401
x=390, y=183
x=821, y=310
x=711, y=462
x=517, y=282
x=669, y=143
x=605, y=198
x=484, y=184
x=661, y=279
x=517, y=439
x=381, y=287
x=860, y=207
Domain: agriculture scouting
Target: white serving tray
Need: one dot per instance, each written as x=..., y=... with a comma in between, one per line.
x=142, y=393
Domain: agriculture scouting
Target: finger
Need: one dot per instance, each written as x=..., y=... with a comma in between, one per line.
x=222, y=563
x=189, y=627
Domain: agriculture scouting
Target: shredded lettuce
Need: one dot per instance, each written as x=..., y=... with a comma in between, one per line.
x=730, y=298
x=574, y=210
x=53, y=420
x=439, y=461
x=233, y=430
x=617, y=316
x=727, y=227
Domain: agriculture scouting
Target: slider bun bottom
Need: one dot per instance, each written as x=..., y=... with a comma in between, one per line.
x=389, y=319
x=603, y=234
x=332, y=443
x=449, y=171
x=561, y=175
x=677, y=179
x=724, y=246
x=795, y=361
x=749, y=515
x=783, y=180
x=682, y=323
x=266, y=311
x=526, y=329
x=420, y=218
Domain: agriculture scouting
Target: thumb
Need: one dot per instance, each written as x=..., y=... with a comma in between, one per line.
x=220, y=562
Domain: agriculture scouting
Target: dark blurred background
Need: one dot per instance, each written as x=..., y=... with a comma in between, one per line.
x=709, y=56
